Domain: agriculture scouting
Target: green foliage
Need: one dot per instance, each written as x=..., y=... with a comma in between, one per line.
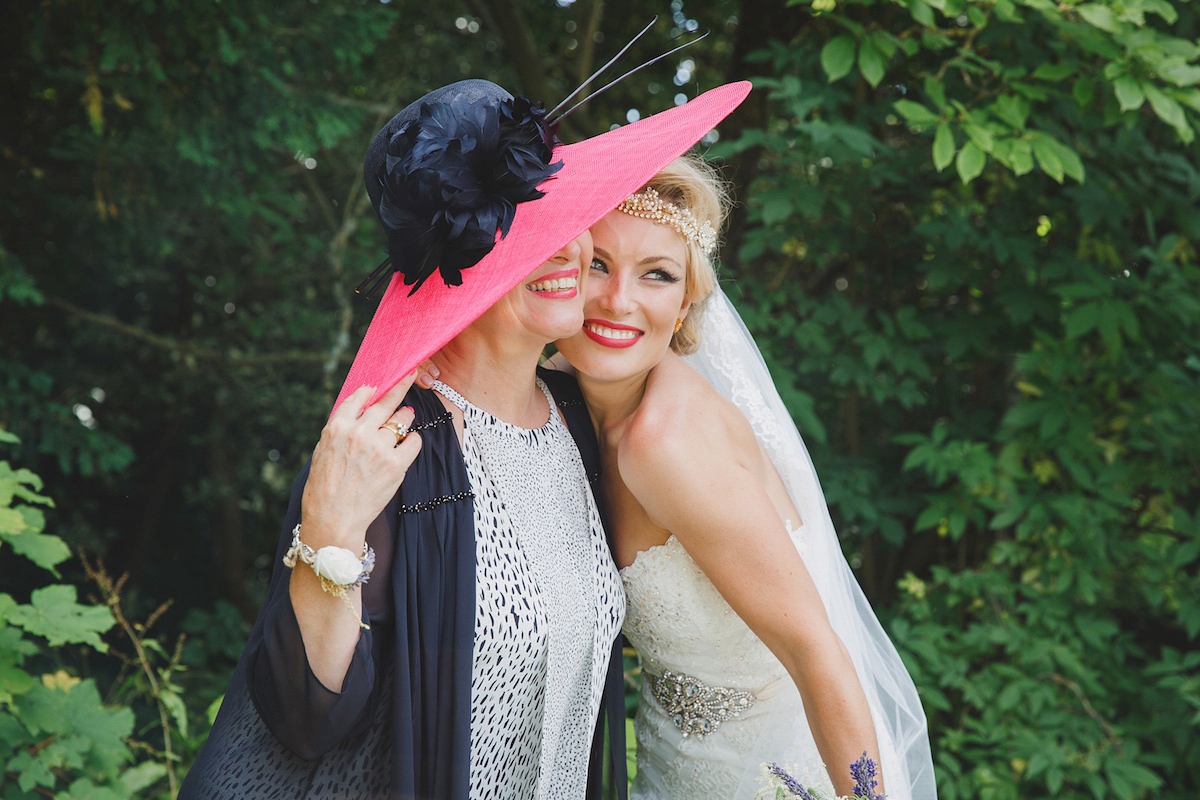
x=966, y=240
x=1006, y=364
x=61, y=736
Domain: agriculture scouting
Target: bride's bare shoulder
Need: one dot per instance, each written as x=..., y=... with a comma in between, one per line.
x=681, y=417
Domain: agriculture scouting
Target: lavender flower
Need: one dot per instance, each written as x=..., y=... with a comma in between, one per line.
x=790, y=783
x=864, y=773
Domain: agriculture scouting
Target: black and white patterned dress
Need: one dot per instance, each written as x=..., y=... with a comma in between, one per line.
x=549, y=604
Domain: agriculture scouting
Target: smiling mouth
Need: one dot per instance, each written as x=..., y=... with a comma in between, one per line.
x=554, y=285
x=611, y=337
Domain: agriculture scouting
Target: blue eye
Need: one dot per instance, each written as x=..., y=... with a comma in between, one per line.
x=597, y=264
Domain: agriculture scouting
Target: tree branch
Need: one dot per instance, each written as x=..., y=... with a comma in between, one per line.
x=182, y=348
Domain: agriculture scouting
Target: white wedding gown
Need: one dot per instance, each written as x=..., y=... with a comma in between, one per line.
x=716, y=703
x=703, y=735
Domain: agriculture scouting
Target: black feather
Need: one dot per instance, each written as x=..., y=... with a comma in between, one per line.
x=452, y=180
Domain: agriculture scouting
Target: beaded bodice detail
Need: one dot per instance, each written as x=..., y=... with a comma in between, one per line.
x=714, y=698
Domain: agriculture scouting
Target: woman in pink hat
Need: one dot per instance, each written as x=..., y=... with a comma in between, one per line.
x=442, y=617
x=756, y=643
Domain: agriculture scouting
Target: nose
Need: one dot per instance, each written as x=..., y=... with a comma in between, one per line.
x=612, y=293
x=576, y=251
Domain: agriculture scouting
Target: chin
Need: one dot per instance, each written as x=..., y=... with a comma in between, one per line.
x=604, y=364
x=562, y=326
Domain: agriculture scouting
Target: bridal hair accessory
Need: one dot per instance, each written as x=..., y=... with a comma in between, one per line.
x=338, y=568
x=647, y=204
x=470, y=183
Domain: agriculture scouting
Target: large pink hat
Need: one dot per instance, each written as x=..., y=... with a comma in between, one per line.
x=577, y=184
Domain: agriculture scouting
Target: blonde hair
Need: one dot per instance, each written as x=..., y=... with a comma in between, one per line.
x=691, y=182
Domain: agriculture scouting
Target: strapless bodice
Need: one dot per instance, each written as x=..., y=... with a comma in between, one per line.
x=678, y=621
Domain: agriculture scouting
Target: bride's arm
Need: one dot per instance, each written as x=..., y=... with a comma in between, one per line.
x=694, y=486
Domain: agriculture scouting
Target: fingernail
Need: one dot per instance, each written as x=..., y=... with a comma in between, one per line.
x=408, y=408
x=434, y=371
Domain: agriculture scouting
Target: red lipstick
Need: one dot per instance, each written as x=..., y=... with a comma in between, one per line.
x=611, y=341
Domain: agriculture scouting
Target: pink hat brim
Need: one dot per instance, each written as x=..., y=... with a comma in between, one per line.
x=597, y=174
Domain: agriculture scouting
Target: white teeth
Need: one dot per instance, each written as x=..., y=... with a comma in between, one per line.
x=612, y=333
x=554, y=285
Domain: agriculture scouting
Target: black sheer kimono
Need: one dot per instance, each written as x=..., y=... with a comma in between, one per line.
x=400, y=729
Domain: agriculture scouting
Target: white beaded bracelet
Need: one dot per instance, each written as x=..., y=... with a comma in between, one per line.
x=338, y=568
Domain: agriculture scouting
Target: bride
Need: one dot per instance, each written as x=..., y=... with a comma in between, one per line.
x=757, y=644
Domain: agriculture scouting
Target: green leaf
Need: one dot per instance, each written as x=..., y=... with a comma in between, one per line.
x=936, y=90
x=42, y=549
x=12, y=522
x=1083, y=319
x=1071, y=162
x=213, y=709
x=970, y=162
x=871, y=62
x=136, y=780
x=78, y=720
x=1021, y=157
x=1012, y=109
x=916, y=113
x=1129, y=93
x=1054, y=72
x=1163, y=8
x=178, y=711
x=979, y=134
x=1083, y=91
x=837, y=57
x=777, y=207
x=54, y=614
x=1165, y=106
x=1047, y=157
x=1181, y=74
x=943, y=147
x=922, y=14
x=1098, y=16
x=1191, y=99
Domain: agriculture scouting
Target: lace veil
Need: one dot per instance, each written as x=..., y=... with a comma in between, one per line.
x=730, y=360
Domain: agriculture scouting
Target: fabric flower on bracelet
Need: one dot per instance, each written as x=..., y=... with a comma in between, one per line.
x=338, y=568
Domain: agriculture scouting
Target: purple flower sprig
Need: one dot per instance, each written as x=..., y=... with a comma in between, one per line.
x=791, y=784
x=864, y=773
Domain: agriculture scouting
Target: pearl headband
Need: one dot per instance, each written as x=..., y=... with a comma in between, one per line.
x=647, y=204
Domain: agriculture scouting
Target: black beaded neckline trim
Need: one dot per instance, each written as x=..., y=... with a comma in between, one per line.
x=445, y=416
x=428, y=505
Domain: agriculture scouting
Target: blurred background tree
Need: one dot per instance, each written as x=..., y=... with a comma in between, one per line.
x=965, y=239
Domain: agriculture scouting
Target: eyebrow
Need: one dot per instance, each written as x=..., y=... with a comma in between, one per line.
x=644, y=261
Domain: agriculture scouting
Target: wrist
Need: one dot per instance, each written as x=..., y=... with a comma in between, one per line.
x=338, y=569
x=321, y=532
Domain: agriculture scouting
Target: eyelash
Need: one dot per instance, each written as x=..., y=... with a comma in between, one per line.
x=657, y=274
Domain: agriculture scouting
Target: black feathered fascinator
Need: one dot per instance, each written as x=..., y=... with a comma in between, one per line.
x=450, y=172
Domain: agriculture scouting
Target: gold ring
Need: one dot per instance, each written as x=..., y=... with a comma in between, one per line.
x=392, y=427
